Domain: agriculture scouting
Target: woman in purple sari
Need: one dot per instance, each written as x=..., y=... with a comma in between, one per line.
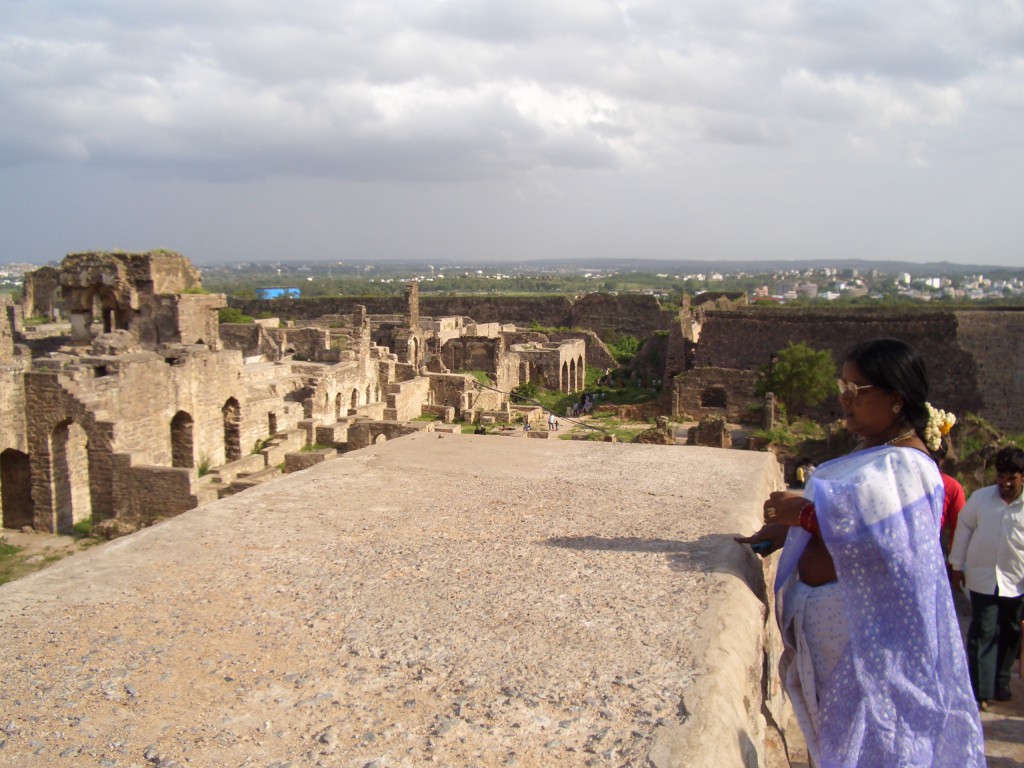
x=874, y=661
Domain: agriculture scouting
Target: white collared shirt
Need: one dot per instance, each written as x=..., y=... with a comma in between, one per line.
x=988, y=545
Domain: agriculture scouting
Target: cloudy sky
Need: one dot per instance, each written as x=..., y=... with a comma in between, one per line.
x=356, y=130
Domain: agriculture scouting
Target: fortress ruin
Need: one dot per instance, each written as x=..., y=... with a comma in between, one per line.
x=152, y=407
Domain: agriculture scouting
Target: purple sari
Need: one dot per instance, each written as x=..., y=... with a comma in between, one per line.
x=900, y=694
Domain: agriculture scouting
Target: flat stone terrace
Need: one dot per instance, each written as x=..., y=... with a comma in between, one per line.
x=454, y=600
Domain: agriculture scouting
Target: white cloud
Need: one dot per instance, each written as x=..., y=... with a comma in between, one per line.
x=442, y=91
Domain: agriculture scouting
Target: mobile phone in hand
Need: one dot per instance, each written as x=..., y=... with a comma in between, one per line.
x=762, y=547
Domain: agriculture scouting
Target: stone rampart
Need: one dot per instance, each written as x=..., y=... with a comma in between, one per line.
x=449, y=599
x=995, y=342
x=604, y=314
x=975, y=359
x=612, y=315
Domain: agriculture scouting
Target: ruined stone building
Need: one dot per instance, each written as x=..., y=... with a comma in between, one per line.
x=151, y=407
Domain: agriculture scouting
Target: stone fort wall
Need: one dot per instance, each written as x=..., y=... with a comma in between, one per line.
x=975, y=358
x=606, y=314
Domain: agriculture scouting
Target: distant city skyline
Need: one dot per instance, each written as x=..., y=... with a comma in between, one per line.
x=699, y=130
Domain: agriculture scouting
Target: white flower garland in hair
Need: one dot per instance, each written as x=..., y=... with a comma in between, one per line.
x=939, y=424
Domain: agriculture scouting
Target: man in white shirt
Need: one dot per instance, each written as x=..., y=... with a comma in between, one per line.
x=988, y=551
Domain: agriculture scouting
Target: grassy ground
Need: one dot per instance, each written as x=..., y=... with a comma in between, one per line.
x=22, y=554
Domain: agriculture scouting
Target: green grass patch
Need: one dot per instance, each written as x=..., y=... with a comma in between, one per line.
x=14, y=561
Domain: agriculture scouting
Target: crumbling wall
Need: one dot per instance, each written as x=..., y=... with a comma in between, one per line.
x=41, y=294
x=363, y=434
x=472, y=353
x=179, y=319
x=405, y=399
x=715, y=392
x=597, y=354
x=136, y=487
x=303, y=343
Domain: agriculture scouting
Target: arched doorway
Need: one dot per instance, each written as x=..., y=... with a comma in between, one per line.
x=338, y=405
x=16, y=489
x=69, y=457
x=355, y=399
x=232, y=413
x=563, y=383
x=182, y=454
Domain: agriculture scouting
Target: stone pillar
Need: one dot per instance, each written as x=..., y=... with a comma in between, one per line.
x=412, y=305
x=770, y=411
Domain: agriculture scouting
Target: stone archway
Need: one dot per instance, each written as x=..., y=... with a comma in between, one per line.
x=182, y=450
x=16, y=489
x=232, y=413
x=69, y=462
x=381, y=438
x=355, y=399
x=339, y=403
x=563, y=383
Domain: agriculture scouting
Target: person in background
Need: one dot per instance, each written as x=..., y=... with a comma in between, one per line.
x=988, y=554
x=873, y=658
x=800, y=474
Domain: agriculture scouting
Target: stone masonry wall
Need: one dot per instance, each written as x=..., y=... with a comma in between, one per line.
x=616, y=315
x=12, y=408
x=995, y=340
x=634, y=314
x=136, y=488
x=745, y=339
x=708, y=392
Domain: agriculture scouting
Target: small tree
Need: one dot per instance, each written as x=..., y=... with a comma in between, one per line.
x=799, y=376
x=233, y=315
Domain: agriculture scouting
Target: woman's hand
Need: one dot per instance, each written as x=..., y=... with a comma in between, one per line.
x=783, y=508
x=773, y=534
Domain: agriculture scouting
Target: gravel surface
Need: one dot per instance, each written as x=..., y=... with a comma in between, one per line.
x=448, y=599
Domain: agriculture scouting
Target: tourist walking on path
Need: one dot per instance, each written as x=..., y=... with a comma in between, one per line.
x=988, y=554
x=873, y=658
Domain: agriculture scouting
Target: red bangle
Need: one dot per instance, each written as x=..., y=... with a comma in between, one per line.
x=809, y=518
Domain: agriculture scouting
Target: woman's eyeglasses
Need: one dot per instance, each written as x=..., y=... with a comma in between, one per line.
x=848, y=387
